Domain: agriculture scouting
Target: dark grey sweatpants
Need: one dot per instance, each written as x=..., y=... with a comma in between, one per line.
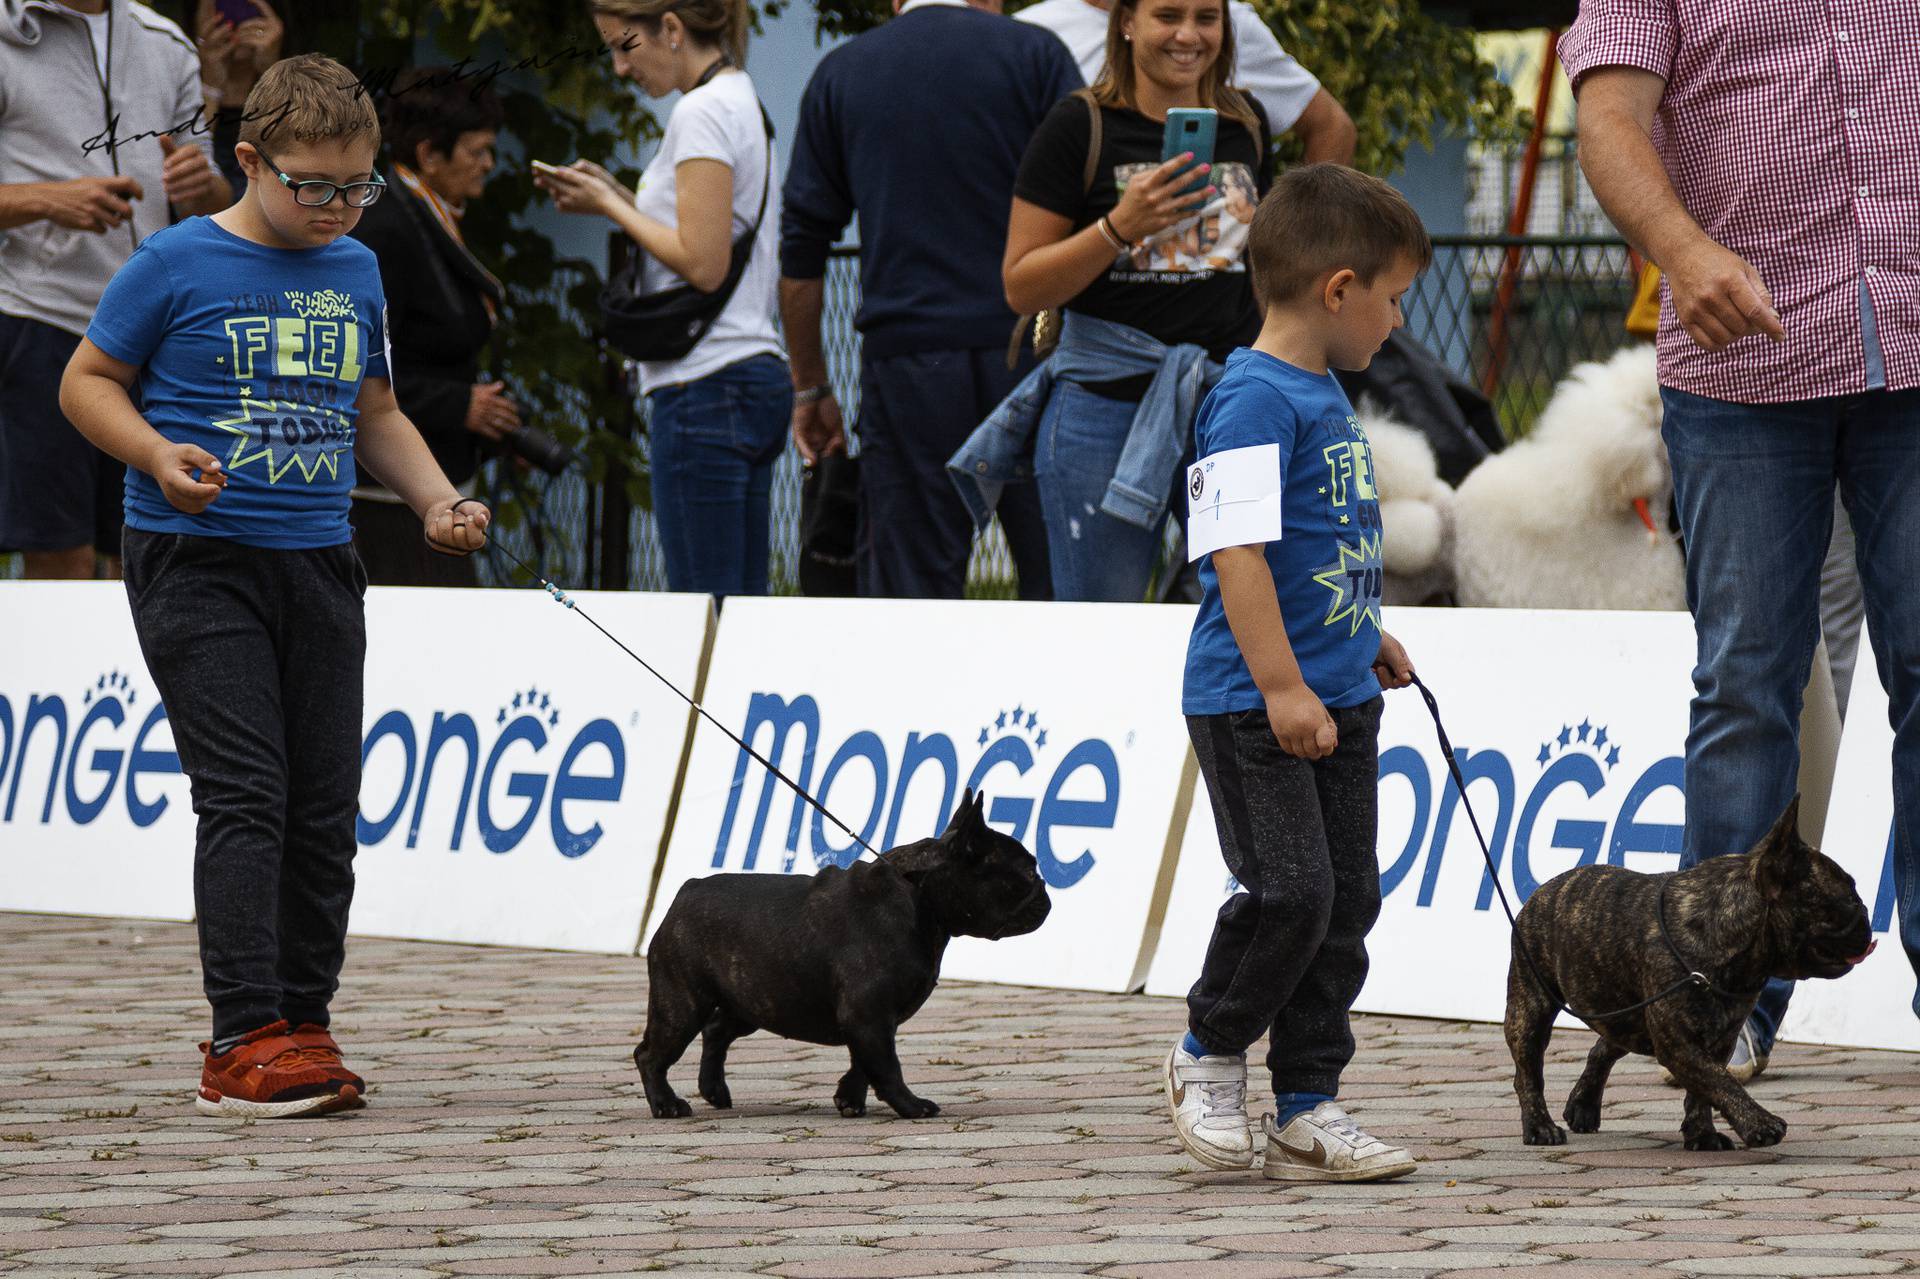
x=258, y=656
x=1289, y=954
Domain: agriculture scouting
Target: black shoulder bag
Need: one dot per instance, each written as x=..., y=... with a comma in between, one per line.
x=668, y=324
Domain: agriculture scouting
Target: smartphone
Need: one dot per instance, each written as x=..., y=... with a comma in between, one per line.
x=237, y=11
x=541, y=166
x=1190, y=129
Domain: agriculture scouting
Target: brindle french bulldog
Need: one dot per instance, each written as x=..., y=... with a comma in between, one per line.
x=1781, y=909
x=841, y=957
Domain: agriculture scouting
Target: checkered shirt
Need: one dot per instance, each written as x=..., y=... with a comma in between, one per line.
x=1791, y=132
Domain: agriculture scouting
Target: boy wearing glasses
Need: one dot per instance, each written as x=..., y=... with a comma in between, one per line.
x=254, y=340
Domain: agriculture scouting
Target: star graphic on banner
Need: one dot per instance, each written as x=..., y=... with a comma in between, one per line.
x=553, y=719
x=1018, y=711
x=1000, y=720
x=1355, y=561
x=1586, y=727
x=501, y=718
x=516, y=701
x=1613, y=757
x=1041, y=740
x=130, y=697
x=1566, y=735
x=983, y=736
x=1600, y=739
x=1546, y=753
x=1033, y=717
x=543, y=701
x=256, y=438
x=531, y=694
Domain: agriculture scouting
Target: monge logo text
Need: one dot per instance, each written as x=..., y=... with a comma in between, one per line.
x=1012, y=754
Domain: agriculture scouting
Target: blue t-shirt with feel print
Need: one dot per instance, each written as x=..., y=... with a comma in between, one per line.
x=1326, y=563
x=256, y=354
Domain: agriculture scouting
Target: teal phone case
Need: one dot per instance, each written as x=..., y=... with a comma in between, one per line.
x=1190, y=129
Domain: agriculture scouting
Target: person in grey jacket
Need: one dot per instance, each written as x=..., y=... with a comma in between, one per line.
x=100, y=132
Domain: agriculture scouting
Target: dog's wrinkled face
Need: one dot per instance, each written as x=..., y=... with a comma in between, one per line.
x=1813, y=901
x=995, y=890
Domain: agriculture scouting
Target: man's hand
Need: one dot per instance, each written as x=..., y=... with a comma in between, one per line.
x=172, y=467
x=489, y=412
x=90, y=204
x=189, y=179
x=818, y=430
x=457, y=532
x=1719, y=297
x=1301, y=724
x=1392, y=667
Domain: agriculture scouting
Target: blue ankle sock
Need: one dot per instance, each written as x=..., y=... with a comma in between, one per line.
x=1193, y=1047
x=1288, y=1104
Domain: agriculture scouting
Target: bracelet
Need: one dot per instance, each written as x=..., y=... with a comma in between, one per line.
x=812, y=394
x=1112, y=236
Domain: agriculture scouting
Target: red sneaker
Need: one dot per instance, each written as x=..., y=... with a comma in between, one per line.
x=267, y=1076
x=318, y=1045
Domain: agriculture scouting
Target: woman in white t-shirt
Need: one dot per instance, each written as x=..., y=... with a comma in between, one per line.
x=717, y=417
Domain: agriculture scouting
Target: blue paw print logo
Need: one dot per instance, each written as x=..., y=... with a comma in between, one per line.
x=112, y=684
x=535, y=703
x=1020, y=720
x=1582, y=737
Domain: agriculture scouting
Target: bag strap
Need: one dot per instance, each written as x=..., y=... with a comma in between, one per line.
x=1093, y=140
x=1088, y=174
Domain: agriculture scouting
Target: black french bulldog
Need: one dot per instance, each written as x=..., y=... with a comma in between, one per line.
x=841, y=957
x=1782, y=909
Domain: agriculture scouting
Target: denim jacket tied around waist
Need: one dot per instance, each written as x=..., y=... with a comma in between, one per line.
x=1000, y=450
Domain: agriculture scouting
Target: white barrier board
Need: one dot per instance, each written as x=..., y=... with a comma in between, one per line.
x=95, y=815
x=1872, y=1006
x=1066, y=715
x=518, y=767
x=1573, y=725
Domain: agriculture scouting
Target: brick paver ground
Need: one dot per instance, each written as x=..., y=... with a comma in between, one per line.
x=507, y=1135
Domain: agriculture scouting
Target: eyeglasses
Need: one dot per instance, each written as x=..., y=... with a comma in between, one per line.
x=314, y=193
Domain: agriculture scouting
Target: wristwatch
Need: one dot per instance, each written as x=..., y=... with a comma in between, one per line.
x=812, y=394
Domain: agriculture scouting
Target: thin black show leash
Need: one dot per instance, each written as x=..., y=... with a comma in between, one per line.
x=562, y=598
x=1694, y=977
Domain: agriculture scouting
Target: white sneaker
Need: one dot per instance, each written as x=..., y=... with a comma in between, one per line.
x=1208, y=1098
x=1324, y=1144
x=1747, y=1063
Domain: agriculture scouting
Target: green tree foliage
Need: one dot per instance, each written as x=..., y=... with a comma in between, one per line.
x=1401, y=73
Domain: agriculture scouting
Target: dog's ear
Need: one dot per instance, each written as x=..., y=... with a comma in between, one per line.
x=1781, y=858
x=964, y=816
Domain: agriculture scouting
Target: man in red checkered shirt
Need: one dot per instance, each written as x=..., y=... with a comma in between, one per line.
x=1766, y=154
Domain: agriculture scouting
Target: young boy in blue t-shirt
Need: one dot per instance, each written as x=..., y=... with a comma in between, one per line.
x=255, y=339
x=1283, y=679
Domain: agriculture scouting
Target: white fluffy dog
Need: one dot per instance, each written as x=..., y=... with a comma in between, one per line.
x=1575, y=515
x=1416, y=510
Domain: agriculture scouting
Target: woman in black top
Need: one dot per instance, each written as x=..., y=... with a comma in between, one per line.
x=442, y=305
x=1132, y=248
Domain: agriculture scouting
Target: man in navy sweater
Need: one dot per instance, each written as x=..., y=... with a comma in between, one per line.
x=918, y=126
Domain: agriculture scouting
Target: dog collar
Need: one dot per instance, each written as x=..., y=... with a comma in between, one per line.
x=1694, y=976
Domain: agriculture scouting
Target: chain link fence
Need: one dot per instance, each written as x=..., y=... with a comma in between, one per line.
x=1567, y=300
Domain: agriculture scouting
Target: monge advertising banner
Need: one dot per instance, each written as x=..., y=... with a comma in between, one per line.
x=518, y=768
x=1570, y=729
x=95, y=817
x=1870, y=1007
x=1067, y=716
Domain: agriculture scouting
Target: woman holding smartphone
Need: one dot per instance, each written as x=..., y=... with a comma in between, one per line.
x=1152, y=283
x=717, y=416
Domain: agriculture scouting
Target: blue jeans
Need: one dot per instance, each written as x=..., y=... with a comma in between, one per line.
x=1094, y=555
x=1754, y=485
x=712, y=446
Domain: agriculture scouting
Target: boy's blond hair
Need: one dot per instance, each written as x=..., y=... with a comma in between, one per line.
x=1321, y=218
x=307, y=99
